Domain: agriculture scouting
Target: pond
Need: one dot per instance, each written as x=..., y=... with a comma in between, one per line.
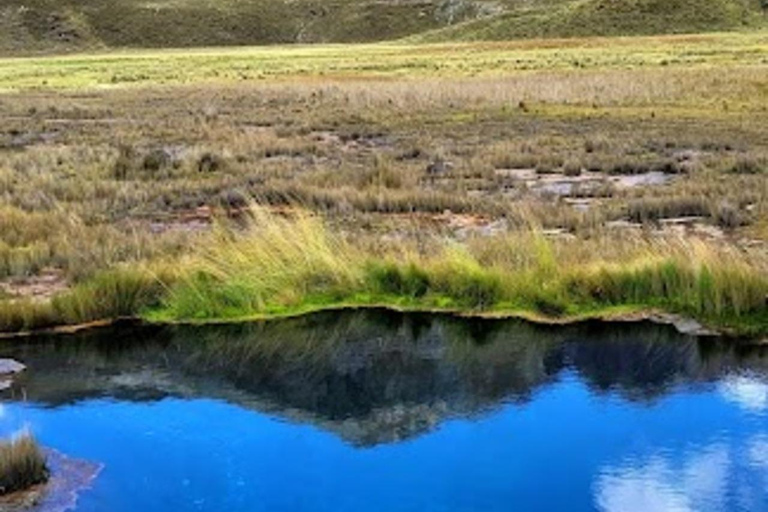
x=366, y=411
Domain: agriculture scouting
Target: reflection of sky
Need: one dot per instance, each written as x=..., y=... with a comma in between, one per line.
x=569, y=448
x=718, y=477
x=698, y=483
x=750, y=393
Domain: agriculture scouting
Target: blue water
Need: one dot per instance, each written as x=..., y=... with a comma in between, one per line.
x=403, y=415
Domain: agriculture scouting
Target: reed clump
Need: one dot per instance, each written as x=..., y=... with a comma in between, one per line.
x=22, y=464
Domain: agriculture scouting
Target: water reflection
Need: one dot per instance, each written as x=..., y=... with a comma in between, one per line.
x=698, y=482
x=374, y=376
x=748, y=391
x=717, y=477
x=498, y=415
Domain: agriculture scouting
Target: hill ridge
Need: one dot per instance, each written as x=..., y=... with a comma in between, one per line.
x=52, y=26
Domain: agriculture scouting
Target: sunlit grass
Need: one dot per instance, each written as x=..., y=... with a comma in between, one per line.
x=290, y=264
x=283, y=264
x=382, y=61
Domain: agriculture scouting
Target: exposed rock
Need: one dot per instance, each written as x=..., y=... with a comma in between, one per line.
x=10, y=367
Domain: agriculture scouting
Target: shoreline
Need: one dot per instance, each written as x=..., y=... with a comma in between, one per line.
x=682, y=324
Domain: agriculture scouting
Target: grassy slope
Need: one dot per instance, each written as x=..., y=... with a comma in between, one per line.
x=28, y=26
x=59, y=25
x=609, y=18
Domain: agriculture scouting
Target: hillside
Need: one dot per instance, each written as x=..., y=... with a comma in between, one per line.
x=32, y=26
x=608, y=18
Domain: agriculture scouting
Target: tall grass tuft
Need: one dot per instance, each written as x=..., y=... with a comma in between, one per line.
x=121, y=292
x=124, y=291
x=25, y=315
x=22, y=464
x=278, y=262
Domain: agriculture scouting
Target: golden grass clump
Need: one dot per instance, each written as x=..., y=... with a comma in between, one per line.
x=22, y=464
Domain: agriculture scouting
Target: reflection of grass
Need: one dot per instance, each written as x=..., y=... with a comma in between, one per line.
x=22, y=464
x=281, y=265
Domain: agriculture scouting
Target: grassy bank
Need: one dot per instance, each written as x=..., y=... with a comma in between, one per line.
x=22, y=464
x=282, y=264
x=287, y=264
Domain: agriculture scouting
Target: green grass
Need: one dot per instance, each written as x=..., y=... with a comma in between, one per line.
x=580, y=18
x=289, y=265
x=285, y=264
x=22, y=464
x=103, y=182
x=311, y=65
x=107, y=295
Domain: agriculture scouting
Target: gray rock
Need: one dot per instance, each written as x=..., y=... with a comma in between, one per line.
x=11, y=366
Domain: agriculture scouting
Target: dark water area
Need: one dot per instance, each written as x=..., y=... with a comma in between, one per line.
x=377, y=411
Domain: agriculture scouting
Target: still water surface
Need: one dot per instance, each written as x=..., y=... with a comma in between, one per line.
x=377, y=411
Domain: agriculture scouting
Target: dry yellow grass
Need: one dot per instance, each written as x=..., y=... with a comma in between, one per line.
x=22, y=464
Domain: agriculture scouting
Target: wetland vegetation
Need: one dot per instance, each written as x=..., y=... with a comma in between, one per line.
x=551, y=178
x=559, y=161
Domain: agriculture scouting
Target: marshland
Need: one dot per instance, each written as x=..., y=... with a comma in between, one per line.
x=555, y=179
x=366, y=255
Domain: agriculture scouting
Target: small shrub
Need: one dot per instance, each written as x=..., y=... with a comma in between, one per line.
x=156, y=160
x=654, y=209
x=572, y=169
x=727, y=215
x=210, y=163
